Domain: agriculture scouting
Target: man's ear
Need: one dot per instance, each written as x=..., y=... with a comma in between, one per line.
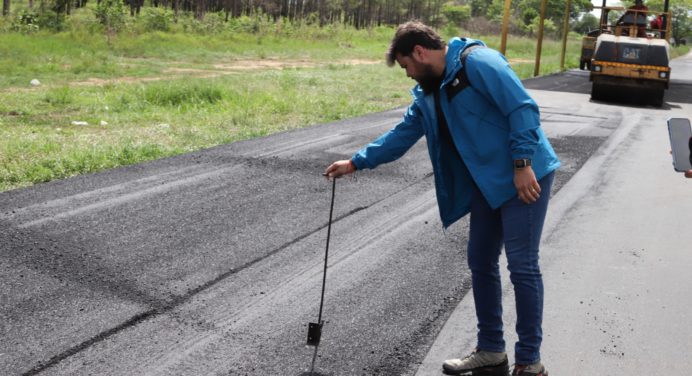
x=419, y=53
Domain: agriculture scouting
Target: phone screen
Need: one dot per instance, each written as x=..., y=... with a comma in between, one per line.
x=681, y=143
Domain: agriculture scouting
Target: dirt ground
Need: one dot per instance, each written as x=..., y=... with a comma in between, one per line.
x=232, y=67
x=217, y=70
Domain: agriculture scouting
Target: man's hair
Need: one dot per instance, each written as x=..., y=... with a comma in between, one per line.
x=409, y=35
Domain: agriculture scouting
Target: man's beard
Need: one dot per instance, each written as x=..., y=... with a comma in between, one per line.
x=428, y=81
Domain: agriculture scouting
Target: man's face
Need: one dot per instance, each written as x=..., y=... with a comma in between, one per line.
x=419, y=71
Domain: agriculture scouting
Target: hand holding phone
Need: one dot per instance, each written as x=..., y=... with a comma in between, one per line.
x=680, y=133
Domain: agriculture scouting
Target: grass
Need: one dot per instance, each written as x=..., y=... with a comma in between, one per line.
x=146, y=121
x=147, y=106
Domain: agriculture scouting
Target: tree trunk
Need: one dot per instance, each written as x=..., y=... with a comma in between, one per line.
x=198, y=10
x=285, y=11
x=5, y=7
x=379, y=15
x=321, y=11
x=292, y=6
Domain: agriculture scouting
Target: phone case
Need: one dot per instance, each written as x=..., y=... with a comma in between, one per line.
x=680, y=133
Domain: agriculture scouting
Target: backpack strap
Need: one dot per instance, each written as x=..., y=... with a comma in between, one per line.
x=461, y=81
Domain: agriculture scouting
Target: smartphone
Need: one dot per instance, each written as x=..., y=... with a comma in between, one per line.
x=680, y=133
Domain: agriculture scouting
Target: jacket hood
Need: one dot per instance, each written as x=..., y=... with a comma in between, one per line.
x=455, y=47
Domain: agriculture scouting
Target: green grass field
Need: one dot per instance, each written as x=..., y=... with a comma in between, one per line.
x=153, y=94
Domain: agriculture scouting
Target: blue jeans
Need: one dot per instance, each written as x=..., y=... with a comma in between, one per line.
x=518, y=226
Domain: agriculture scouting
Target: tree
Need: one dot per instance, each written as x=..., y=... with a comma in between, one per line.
x=479, y=7
x=681, y=24
x=529, y=15
x=587, y=23
x=456, y=14
x=548, y=26
x=554, y=9
x=111, y=15
x=5, y=7
x=496, y=10
x=135, y=6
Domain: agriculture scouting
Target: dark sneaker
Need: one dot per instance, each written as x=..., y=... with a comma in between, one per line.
x=478, y=363
x=535, y=369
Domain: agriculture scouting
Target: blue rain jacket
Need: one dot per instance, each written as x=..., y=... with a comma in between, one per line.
x=492, y=122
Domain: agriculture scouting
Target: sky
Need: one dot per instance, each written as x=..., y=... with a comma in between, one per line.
x=597, y=12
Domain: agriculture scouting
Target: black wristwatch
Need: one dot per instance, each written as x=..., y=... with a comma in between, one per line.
x=521, y=163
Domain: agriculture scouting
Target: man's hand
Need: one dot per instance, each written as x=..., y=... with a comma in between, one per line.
x=688, y=173
x=340, y=168
x=526, y=184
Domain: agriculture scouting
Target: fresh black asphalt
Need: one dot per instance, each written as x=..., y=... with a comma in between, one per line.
x=211, y=262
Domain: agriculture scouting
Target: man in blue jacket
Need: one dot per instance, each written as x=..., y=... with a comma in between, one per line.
x=491, y=159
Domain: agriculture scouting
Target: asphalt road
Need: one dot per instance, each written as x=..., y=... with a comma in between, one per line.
x=211, y=262
x=615, y=253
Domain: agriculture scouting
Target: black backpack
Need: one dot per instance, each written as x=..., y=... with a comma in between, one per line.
x=461, y=81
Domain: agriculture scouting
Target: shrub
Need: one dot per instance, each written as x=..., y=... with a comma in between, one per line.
x=548, y=26
x=211, y=23
x=29, y=21
x=257, y=24
x=481, y=25
x=26, y=22
x=59, y=96
x=82, y=24
x=181, y=95
x=528, y=15
x=111, y=15
x=157, y=19
x=450, y=30
x=456, y=14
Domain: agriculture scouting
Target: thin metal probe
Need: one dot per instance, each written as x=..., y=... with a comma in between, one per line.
x=326, y=251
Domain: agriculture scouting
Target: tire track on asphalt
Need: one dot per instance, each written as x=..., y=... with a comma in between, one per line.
x=298, y=283
x=156, y=185
x=118, y=194
x=182, y=299
x=177, y=301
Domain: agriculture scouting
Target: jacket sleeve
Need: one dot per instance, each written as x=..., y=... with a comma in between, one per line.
x=490, y=74
x=394, y=143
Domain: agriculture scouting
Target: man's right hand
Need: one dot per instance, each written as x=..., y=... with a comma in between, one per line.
x=340, y=168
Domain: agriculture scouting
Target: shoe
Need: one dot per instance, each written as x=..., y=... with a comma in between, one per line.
x=478, y=363
x=535, y=369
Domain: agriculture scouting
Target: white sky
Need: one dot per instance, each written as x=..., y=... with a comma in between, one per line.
x=597, y=12
x=611, y=3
